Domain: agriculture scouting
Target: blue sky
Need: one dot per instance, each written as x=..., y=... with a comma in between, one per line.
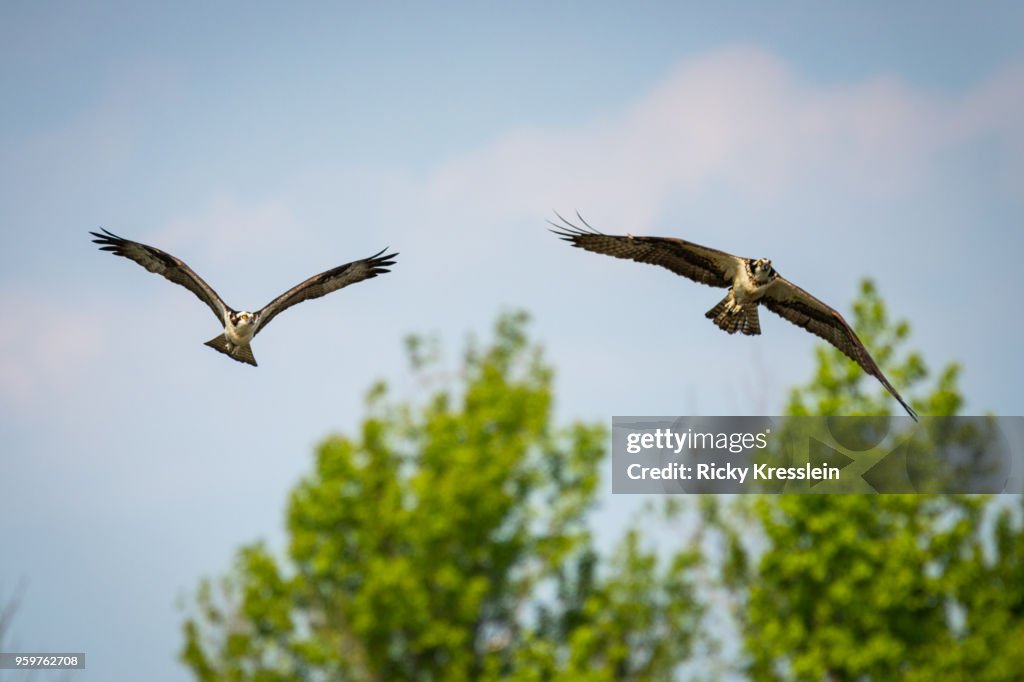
x=264, y=145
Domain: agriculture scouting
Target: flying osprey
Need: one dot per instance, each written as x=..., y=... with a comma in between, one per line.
x=750, y=283
x=241, y=326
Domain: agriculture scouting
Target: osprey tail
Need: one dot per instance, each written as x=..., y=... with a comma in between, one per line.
x=733, y=319
x=234, y=351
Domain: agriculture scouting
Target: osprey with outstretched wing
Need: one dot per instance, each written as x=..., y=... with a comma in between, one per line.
x=241, y=326
x=750, y=282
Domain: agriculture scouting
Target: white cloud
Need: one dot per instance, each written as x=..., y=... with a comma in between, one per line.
x=995, y=110
x=97, y=142
x=43, y=346
x=741, y=118
x=227, y=230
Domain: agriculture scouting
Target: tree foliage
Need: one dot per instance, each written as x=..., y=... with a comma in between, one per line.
x=876, y=587
x=447, y=540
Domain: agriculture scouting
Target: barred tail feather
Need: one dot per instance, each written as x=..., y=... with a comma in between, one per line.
x=745, y=320
x=233, y=351
x=714, y=313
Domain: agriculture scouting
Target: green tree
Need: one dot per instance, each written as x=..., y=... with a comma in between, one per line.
x=875, y=587
x=448, y=541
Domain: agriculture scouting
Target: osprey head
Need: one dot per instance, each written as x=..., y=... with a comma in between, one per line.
x=242, y=319
x=762, y=270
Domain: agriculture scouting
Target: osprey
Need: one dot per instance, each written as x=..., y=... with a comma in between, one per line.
x=750, y=282
x=241, y=325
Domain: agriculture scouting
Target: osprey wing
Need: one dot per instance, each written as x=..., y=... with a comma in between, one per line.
x=163, y=263
x=326, y=282
x=699, y=263
x=787, y=300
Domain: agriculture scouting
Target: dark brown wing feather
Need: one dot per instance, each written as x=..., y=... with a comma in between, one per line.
x=699, y=263
x=786, y=299
x=326, y=282
x=163, y=263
